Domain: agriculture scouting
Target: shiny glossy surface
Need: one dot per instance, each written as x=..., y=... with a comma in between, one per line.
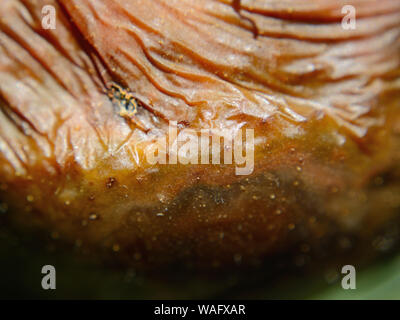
x=323, y=101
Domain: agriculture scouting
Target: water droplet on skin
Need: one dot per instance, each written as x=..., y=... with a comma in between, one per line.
x=162, y=197
x=93, y=217
x=116, y=248
x=296, y=183
x=272, y=196
x=298, y=168
x=67, y=203
x=278, y=212
x=160, y=214
x=30, y=198
x=110, y=182
x=291, y=226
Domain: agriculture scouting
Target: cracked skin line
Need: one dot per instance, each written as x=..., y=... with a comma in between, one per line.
x=323, y=103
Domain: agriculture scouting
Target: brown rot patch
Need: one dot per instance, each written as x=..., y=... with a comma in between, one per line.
x=127, y=105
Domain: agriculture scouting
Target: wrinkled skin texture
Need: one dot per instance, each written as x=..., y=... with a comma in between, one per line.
x=323, y=101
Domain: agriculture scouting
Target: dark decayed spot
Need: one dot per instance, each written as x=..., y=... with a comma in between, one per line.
x=126, y=102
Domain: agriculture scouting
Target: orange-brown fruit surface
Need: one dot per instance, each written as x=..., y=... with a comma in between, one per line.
x=80, y=105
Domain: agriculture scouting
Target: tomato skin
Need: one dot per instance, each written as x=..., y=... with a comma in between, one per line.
x=80, y=104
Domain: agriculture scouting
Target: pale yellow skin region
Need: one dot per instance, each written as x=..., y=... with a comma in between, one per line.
x=323, y=103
